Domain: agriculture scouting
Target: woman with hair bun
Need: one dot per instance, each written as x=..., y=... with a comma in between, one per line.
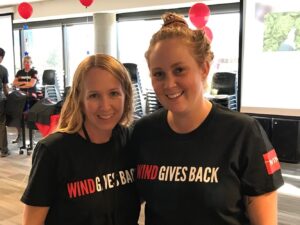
x=199, y=162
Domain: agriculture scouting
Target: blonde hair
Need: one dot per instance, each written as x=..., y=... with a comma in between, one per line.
x=27, y=57
x=72, y=116
x=175, y=26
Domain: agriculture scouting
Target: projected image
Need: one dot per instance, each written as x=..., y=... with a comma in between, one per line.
x=281, y=31
x=270, y=57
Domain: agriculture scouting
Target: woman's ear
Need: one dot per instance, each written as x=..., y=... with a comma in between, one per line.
x=205, y=69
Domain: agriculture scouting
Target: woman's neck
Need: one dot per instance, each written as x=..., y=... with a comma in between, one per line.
x=187, y=122
x=96, y=136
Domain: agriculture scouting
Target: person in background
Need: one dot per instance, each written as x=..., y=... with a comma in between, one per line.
x=3, y=95
x=26, y=80
x=84, y=172
x=199, y=162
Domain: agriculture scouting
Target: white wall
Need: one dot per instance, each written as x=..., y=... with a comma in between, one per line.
x=54, y=9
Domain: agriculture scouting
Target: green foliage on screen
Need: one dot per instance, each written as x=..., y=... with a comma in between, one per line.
x=277, y=28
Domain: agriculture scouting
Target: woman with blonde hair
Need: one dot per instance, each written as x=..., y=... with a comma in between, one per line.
x=84, y=172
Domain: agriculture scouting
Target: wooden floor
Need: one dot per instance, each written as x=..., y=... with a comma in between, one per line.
x=14, y=171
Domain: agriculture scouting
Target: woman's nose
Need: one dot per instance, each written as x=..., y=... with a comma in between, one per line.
x=170, y=81
x=104, y=103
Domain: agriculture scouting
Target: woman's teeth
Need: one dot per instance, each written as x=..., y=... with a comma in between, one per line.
x=104, y=117
x=172, y=96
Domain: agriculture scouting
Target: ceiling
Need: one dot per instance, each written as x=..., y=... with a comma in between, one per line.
x=8, y=3
x=48, y=10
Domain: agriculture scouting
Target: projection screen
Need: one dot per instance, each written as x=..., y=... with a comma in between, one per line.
x=270, y=60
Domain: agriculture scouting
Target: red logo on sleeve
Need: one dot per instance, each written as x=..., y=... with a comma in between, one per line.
x=271, y=161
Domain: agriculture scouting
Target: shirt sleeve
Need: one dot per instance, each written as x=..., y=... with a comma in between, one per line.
x=34, y=74
x=5, y=77
x=260, y=167
x=42, y=183
x=18, y=73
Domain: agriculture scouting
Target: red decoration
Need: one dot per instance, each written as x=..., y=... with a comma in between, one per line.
x=208, y=33
x=86, y=3
x=46, y=129
x=25, y=10
x=199, y=14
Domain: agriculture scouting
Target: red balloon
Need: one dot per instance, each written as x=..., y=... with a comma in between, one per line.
x=208, y=33
x=199, y=14
x=25, y=10
x=86, y=3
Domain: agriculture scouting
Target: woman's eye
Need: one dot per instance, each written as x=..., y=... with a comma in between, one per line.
x=158, y=75
x=94, y=95
x=115, y=93
x=179, y=70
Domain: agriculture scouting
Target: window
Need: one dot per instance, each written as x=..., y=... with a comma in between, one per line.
x=225, y=43
x=7, y=44
x=133, y=44
x=44, y=45
x=55, y=44
x=79, y=44
x=17, y=54
x=134, y=37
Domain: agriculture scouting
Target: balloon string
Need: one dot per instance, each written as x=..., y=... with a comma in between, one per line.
x=25, y=30
x=86, y=34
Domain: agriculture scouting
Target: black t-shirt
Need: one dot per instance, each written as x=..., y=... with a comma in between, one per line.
x=84, y=183
x=202, y=177
x=3, y=79
x=26, y=77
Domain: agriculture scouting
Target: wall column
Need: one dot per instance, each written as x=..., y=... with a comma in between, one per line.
x=105, y=33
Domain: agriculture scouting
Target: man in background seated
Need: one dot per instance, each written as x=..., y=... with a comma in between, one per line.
x=3, y=95
x=26, y=80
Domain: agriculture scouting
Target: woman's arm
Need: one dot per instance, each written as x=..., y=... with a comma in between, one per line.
x=34, y=215
x=262, y=209
x=29, y=84
x=5, y=89
x=16, y=82
x=25, y=84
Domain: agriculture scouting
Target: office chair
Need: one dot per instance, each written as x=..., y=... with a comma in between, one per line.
x=52, y=93
x=49, y=77
x=152, y=103
x=224, y=89
x=132, y=69
x=224, y=83
x=50, y=88
x=137, y=89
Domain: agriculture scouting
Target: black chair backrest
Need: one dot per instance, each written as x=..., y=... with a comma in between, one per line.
x=14, y=108
x=133, y=71
x=41, y=111
x=224, y=83
x=49, y=77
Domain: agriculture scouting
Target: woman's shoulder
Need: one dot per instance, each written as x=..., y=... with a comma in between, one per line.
x=229, y=115
x=122, y=133
x=57, y=144
x=153, y=118
x=33, y=72
x=57, y=139
x=21, y=71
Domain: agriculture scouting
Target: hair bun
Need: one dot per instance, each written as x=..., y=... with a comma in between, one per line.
x=173, y=19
